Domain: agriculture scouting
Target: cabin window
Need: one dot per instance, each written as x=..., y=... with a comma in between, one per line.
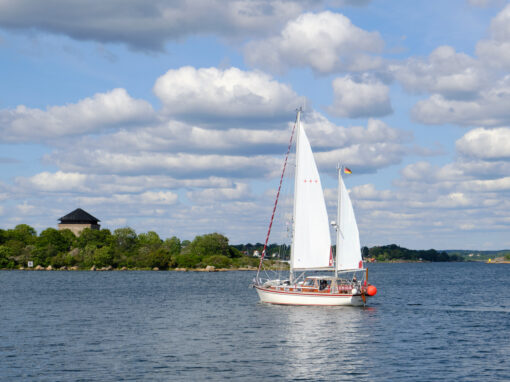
x=323, y=284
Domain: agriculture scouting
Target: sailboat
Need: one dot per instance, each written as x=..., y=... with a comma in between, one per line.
x=311, y=242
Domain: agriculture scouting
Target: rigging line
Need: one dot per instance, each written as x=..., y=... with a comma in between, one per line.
x=276, y=200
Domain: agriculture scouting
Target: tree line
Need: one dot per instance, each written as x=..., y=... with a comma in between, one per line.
x=383, y=253
x=122, y=248
x=125, y=248
x=394, y=252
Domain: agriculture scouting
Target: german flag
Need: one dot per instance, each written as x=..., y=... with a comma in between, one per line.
x=347, y=171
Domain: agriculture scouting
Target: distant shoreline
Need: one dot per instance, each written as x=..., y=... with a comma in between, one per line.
x=209, y=268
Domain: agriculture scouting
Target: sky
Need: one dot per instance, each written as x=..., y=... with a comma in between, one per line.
x=175, y=116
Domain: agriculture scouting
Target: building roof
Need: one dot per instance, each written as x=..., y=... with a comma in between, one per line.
x=78, y=216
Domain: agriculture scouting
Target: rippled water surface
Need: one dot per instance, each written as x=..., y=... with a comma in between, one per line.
x=428, y=322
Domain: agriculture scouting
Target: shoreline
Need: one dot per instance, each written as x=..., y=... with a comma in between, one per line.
x=206, y=269
x=123, y=269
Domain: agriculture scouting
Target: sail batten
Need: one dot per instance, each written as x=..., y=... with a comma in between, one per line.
x=311, y=240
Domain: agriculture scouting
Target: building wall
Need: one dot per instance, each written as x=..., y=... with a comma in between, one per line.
x=77, y=228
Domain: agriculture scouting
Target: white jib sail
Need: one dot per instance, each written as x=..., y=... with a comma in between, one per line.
x=348, y=245
x=312, y=241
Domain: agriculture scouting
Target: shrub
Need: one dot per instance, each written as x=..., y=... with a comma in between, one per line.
x=159, y=258
x=5, y=253
x=218, y=261
x=245, y=261
x=103, y=257
x=187, y=260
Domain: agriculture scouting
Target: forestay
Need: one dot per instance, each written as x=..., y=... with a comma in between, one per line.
x=311, y=241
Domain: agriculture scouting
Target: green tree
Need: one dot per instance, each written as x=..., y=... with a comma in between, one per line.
x=86, y=256
x=173, y=246
x=55, y=240
x=159, y=258
x=211, y=244
x=103, y=257
x=50, y=243
x=150, y=239
x=15, y=248
x=3, y=236
x=125, y=239
x=98, y=238
x=5, y=257
x=17, y=239
x=23, y=233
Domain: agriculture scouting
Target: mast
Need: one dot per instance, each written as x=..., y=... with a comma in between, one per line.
x=298, y=125
x=338, y=231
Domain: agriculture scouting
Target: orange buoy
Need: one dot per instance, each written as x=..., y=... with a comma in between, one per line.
x=371, y=290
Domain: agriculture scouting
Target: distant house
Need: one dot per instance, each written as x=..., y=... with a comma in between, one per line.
x=77, y=221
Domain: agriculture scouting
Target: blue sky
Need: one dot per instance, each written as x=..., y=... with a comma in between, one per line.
x=175, y=117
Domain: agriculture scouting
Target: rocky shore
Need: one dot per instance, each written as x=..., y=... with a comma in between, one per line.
x=498, y=260
x=209, y=268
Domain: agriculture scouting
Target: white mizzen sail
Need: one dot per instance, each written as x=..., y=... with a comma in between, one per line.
x=348, y=244
x=311, y=245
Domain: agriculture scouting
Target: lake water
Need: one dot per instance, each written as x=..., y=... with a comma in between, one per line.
x=428, y=322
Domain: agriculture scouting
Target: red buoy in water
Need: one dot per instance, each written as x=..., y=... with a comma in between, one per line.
x=371, y=290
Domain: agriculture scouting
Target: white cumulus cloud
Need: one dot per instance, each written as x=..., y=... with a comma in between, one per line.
x=357, y=99
x=146, y=25
x=56, y=182
x=178, y=165
x=490, y=108
x=327, y=42
x=489, y=144
x=446, y=72
x=211, y=94
x=90, y=115
x=495, y=51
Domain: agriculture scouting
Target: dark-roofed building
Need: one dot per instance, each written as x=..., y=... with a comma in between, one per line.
x=77, y=221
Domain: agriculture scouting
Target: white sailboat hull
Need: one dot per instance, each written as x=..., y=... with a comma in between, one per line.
x=283, y=297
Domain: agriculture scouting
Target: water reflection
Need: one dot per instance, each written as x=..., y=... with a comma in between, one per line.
x=324, y=342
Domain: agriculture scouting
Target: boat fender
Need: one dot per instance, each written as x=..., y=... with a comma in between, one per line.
x=354, y=291
x=371, y=290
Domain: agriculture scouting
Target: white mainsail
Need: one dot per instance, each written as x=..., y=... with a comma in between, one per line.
x=311, y=245
x=347, y=243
